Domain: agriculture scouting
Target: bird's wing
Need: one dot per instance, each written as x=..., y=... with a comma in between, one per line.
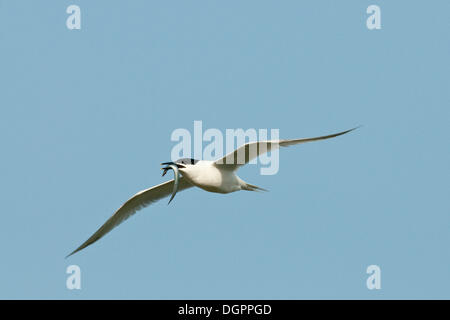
x=251, y=150
x=138, y=201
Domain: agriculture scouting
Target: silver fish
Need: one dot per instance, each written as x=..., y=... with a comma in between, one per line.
x=176, y=174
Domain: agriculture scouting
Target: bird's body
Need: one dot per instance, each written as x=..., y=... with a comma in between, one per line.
x=209, y=177
x=213, y=176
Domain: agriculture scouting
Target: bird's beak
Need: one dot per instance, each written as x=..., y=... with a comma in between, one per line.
x=168, y=166
x=180, y=166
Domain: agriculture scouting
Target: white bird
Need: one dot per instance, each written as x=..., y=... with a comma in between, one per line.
x=214, y=176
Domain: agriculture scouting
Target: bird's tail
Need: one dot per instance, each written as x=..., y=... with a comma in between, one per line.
x=251, y=187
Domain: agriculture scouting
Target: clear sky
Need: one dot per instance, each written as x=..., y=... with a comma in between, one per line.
x=86, y=118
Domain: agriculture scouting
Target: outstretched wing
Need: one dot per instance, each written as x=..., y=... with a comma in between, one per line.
x=138, y=201
x=251, y=150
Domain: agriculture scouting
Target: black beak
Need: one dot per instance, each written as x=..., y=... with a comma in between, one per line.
x=177, y=164
x=168, y=168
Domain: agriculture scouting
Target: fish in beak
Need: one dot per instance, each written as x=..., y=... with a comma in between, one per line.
x=176, y=173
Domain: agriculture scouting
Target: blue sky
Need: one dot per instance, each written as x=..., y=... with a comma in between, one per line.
x=86, y=117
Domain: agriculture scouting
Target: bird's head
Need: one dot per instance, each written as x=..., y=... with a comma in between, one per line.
x=179, y=164
x=176, y=166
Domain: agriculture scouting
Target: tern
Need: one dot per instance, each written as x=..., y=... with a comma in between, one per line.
x=213, y=176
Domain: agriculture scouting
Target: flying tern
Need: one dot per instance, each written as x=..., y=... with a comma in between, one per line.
x=214, y=176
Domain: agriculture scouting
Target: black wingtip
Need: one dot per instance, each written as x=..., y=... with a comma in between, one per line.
x=349, y=130
x=72, y=253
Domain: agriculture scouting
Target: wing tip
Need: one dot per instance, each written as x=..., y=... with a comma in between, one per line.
x=357, y=127
x=73, y=252
x=349, y=130
x=346, y=131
